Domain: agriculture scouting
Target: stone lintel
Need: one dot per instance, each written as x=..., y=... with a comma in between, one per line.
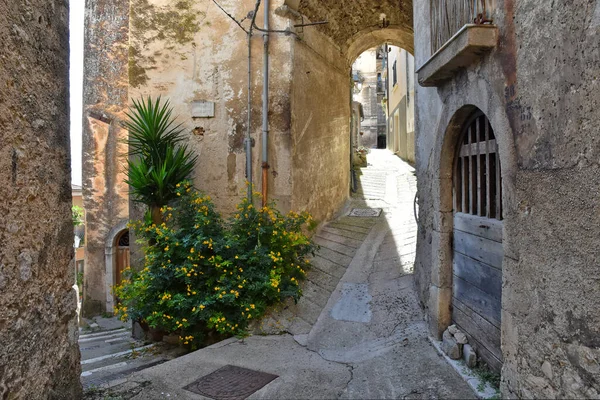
x=464, y=48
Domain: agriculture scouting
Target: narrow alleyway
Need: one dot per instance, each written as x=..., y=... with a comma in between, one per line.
x=358, y=333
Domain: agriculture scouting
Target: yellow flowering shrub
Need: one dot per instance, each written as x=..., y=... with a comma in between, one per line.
x=203, y=274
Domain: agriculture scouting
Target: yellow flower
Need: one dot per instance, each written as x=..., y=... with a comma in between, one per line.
x=167, y=248
x=252, y=306
x=202, y=307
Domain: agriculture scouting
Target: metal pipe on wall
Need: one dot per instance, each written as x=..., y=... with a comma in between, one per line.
x=265, y=111
x=249, y=130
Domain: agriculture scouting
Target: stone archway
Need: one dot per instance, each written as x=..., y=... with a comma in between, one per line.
x=110, y=256
x=321, y=67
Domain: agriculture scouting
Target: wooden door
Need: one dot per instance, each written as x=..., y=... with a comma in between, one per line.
x=478, y=251
x=122, y=256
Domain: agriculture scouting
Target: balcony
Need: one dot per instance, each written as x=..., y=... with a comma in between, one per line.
x=461, y=32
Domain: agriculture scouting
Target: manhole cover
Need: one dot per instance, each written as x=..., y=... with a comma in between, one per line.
x=365, y=212
x=230, y=383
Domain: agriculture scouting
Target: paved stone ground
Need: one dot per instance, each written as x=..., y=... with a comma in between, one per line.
x=358, y=332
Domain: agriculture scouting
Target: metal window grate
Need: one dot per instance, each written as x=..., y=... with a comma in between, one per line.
x=477, y=172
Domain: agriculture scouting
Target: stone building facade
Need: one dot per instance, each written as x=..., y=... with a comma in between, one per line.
x=532, y=71
x=105, y=194
x=39, y=355
x=401, y=102
x=192, y=53
x=367, y=72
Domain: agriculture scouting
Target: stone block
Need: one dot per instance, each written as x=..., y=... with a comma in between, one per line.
x=461, y=337
x=440, y=314
x=469, y=356
x=137, y=332
x=441, y=259
x=452, y=329
x=450, y=346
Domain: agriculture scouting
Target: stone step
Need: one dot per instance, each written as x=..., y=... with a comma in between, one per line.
x=350, y=242
x=357, y=236
x=316, y=294
x=322, y=279
x=109, y=375
x=334, y=256
x=91, y=335
x=351, y=228
x=119, y=354
x=329, y=267
x=106, y=336
x=340, y=248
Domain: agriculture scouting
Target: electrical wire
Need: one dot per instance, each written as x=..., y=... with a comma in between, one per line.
x=232, y=17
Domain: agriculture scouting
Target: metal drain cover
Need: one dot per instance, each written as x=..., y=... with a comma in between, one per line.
x=230, y=383
x=365, y=212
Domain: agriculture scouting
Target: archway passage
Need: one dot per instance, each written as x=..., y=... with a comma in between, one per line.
x=477, y=244
x=122, y=255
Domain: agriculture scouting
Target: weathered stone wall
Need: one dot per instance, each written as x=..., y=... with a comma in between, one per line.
x=540, y=89
x=191, y=51
x=320, y=125
x=39, y=356
x=105, y=193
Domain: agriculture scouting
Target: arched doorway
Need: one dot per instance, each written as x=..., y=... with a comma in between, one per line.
x=122, y=255
x=477, y=244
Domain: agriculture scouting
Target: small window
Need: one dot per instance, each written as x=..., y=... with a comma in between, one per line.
x=123, y=239
x=395, y=73
x=477, y=172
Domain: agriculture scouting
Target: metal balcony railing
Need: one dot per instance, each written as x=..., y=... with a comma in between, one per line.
x=449, y=16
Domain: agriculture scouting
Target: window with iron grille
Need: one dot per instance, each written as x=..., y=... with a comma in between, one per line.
x=477, y=172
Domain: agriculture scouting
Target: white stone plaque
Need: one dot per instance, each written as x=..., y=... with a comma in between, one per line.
x=203, y=109
x=365, y=212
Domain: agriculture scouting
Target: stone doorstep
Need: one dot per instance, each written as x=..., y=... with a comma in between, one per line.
x=466, y=373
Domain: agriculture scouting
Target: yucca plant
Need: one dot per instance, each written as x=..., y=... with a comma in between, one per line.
x=158, y=160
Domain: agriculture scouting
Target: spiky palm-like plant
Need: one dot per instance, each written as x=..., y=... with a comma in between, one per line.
x=158, y=160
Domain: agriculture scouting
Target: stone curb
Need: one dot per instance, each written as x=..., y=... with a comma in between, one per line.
x=465, y=372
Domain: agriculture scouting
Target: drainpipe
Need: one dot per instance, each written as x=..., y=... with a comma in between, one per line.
x=248, y=130
x=387, y=92
x=265, y=111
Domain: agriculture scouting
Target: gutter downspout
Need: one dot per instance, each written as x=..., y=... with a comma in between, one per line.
x=388, y=136
x=265, y=111
x=249, y=130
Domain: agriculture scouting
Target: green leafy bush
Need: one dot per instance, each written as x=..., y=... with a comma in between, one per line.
x=203, y=274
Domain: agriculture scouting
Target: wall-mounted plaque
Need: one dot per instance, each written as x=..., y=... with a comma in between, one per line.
x=203, y=109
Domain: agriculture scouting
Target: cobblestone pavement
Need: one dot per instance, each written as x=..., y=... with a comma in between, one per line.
x=358, y=332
